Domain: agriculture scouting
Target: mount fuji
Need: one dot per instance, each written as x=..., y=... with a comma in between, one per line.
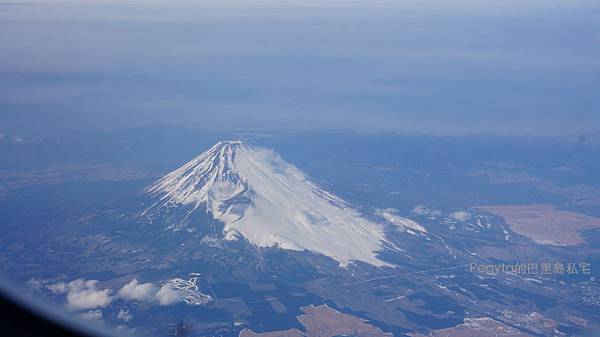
x=259, y=197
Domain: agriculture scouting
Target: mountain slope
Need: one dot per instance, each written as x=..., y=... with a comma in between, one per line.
x=260, y=197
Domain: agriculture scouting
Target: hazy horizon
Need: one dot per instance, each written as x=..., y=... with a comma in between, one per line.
x=427, y=67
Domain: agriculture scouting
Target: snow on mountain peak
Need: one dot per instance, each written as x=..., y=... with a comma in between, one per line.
x=269, y=202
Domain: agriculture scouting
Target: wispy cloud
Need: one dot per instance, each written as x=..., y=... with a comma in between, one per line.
x=425, y=211
x=460, y=215
x=95, y=315
x=124, y=315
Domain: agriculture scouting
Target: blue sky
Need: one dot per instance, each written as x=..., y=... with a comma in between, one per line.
x=374, y=66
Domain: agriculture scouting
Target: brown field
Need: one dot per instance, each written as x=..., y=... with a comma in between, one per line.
x=544, y=224
x=322, y=321
x=283, y=333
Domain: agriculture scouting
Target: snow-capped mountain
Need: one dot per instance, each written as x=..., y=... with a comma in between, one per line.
x=260, y=197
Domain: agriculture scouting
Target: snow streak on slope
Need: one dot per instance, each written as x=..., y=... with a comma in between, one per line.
x=391, y=215
x=269, y=202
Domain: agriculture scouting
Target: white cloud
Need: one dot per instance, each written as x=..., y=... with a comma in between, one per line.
x=460, y=215
x=138, y=291
x=57, y=288
x=424, y=210
x=95, y=315
x=149, y=292
x=168, y=295
x=124, y=315
x=82, y=294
